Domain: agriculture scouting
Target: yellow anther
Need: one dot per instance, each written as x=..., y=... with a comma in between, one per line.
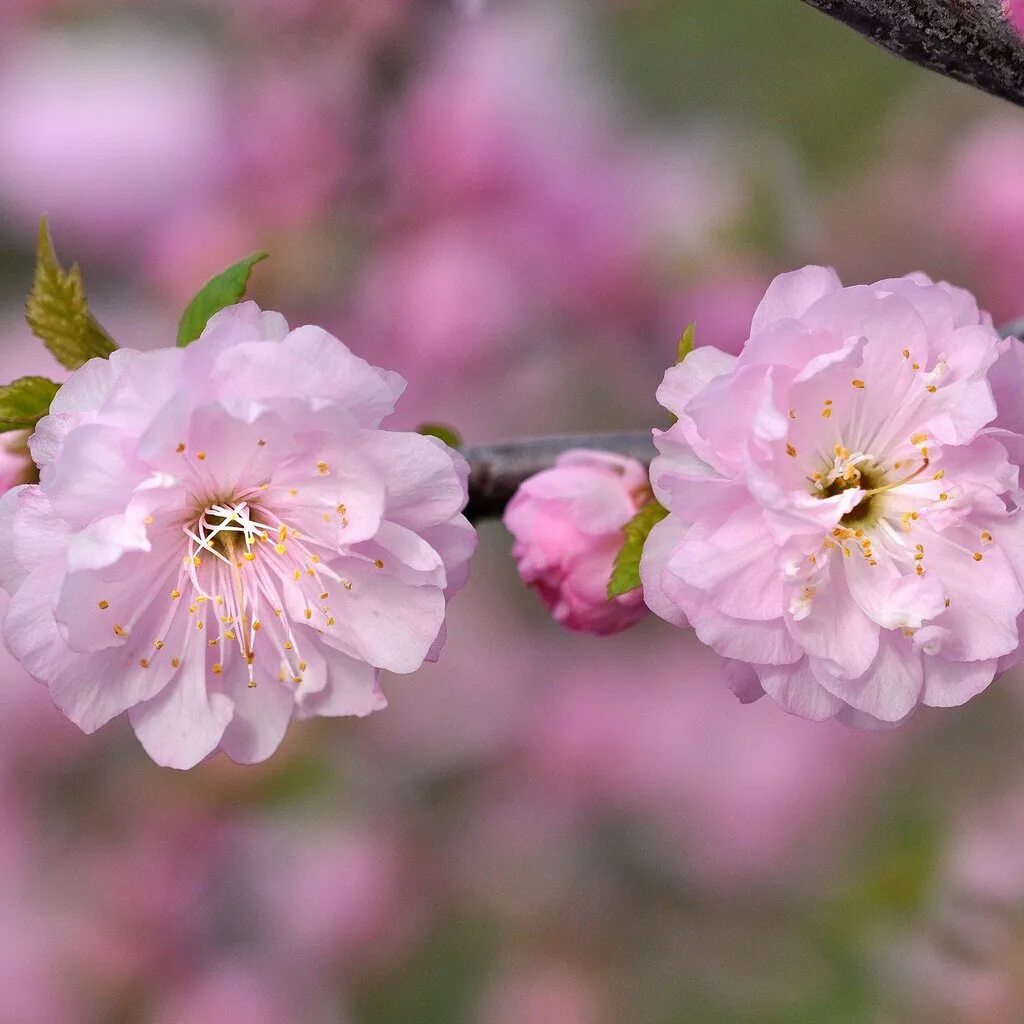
x=308, y=613
x=931, y=388
x=250, y=556
x=180, y=448
x=857, y=383
x=322, y=468
x=175, y=594
x=377, y=562
x=916, y=439
x=143, y=662
x=280, y=549
x=986, y=536
x=119, y=630
x=158, y=644
x=826, y=413
x=257, y=625
x=938, y=476
x=287, y=645
x=217, y=669
x=790, y=451
x=943, y=496
x=200, y=456
x=977, y=556
x=330, y=621
x=906, y=353
x=175, y=662
x=103, y=605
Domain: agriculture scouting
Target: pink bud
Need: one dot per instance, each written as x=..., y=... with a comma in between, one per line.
x=567, y=523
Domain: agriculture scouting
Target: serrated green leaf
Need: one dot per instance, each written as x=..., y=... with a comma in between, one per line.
x=221, y=291
x=685, y=343
x=626, y=571
x=58, y=311
x=449, y=435
x=25, y=401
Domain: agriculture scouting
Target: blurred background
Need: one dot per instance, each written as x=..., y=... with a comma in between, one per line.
x=519, y=206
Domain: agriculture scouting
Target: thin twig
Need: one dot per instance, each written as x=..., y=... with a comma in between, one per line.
x=968, y=40
x=497, y=470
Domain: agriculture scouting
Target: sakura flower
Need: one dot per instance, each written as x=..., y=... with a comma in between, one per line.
x=223, y=538
x=844, y=498
x=567, y=522
x=1014, y=10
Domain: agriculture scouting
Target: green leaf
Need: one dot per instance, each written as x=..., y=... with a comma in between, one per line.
x=25, y=401
x=227, y=288
x=1014, y=329
x=449, y=435
x=58, y=312
x=686, y=343
x=626, y=572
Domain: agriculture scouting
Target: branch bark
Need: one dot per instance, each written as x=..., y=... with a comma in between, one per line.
x=968, y=40
x=497, y=470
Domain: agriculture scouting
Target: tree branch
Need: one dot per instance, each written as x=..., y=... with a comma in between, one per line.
x=969, y=40
x=497, y=470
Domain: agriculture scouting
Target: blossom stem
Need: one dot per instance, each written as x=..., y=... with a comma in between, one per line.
x=967, y=40
x=497, y=470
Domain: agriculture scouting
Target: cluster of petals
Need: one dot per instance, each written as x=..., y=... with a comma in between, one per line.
x=567, y=523
x=223, y=538
x=844, y=499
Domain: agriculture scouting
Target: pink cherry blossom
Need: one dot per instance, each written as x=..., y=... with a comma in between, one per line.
x=223, y=538
x=844, y=498
x=567, y=523
x=1015, y=14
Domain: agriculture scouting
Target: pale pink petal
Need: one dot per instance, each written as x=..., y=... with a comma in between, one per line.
x=791, y=295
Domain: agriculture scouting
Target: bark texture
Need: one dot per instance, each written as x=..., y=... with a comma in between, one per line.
x=968, y=40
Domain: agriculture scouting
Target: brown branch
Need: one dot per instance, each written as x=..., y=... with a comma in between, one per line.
x=969, y=40
x=496, y=470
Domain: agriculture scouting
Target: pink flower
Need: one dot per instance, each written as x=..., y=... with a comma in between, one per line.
x=844, y=498
x=1015, y=14
x=222, y=538
x=567, y=523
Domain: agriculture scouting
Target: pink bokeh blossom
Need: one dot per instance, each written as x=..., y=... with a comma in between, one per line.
x=567, y=523
x=222, y=539
x=107, y=133
x=844, y=498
